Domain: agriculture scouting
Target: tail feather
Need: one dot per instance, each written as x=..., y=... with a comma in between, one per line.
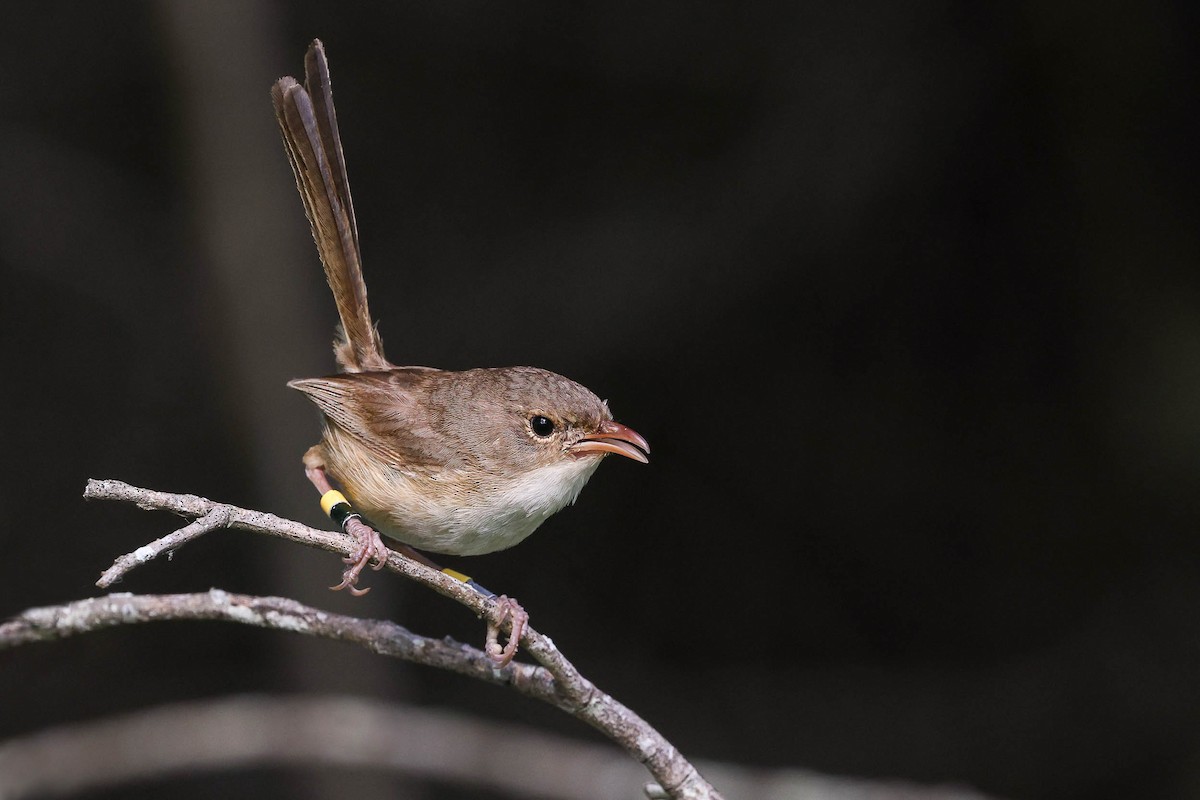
x=310, y=135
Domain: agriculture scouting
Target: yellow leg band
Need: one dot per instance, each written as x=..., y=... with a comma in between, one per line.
x=458, y=576
x=331, y=499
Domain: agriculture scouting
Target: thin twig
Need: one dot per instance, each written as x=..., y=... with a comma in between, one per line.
x=560, y=683
x=50, y=623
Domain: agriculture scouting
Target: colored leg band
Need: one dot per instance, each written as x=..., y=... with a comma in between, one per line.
x=331, y=499
x=343, y=513
x=335, y=504
x=469, y=581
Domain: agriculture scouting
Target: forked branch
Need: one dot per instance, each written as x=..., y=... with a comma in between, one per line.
x=555, y=681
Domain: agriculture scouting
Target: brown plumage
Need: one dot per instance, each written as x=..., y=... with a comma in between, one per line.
x=310, y=135
x=455, y=462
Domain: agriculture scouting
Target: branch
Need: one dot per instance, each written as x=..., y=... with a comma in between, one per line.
x=51, y=623
x=557, y=681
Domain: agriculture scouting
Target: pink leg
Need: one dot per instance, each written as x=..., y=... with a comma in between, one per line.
x=370, y=545
x=512, y=611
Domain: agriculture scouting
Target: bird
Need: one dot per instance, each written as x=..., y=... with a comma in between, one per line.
x=457, y=462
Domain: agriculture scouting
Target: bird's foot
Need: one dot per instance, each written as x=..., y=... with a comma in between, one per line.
x=370, y=547
x=507, y=610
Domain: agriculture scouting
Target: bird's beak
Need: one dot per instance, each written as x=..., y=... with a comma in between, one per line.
x=613, y=437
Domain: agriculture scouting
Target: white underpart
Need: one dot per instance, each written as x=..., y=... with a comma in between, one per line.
x=517, y=509
x=475, y=522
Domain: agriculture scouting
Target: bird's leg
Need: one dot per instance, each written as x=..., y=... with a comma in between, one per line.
x=509, y=610
x=370, y=545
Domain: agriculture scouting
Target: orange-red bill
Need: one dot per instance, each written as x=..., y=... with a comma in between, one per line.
x=613, y=437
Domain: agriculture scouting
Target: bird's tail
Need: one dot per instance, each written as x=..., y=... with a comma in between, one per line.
x=310, y=135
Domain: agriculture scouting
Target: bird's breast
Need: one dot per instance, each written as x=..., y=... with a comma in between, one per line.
x=461, y=511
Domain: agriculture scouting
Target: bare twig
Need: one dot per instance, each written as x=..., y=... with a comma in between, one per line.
x=558, y=683
x=381, y=636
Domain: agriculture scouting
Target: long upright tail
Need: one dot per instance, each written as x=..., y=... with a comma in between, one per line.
x=310, y=136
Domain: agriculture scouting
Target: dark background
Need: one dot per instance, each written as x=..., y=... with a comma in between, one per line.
x=904, y=296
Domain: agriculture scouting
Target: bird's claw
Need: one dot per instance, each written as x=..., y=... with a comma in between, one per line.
x=370, y=548
x=507, y=610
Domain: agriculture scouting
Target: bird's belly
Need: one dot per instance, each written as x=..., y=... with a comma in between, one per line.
x=460, y=531
x=457, y=511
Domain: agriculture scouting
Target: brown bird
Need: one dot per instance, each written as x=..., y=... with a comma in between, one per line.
x=452, y=462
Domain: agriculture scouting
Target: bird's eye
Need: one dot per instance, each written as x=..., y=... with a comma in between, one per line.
x=541, y=426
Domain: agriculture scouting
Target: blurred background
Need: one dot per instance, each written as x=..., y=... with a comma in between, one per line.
x=904, y=297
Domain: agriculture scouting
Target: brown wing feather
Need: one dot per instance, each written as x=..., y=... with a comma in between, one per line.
x=310, y=134
x=386, y=412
